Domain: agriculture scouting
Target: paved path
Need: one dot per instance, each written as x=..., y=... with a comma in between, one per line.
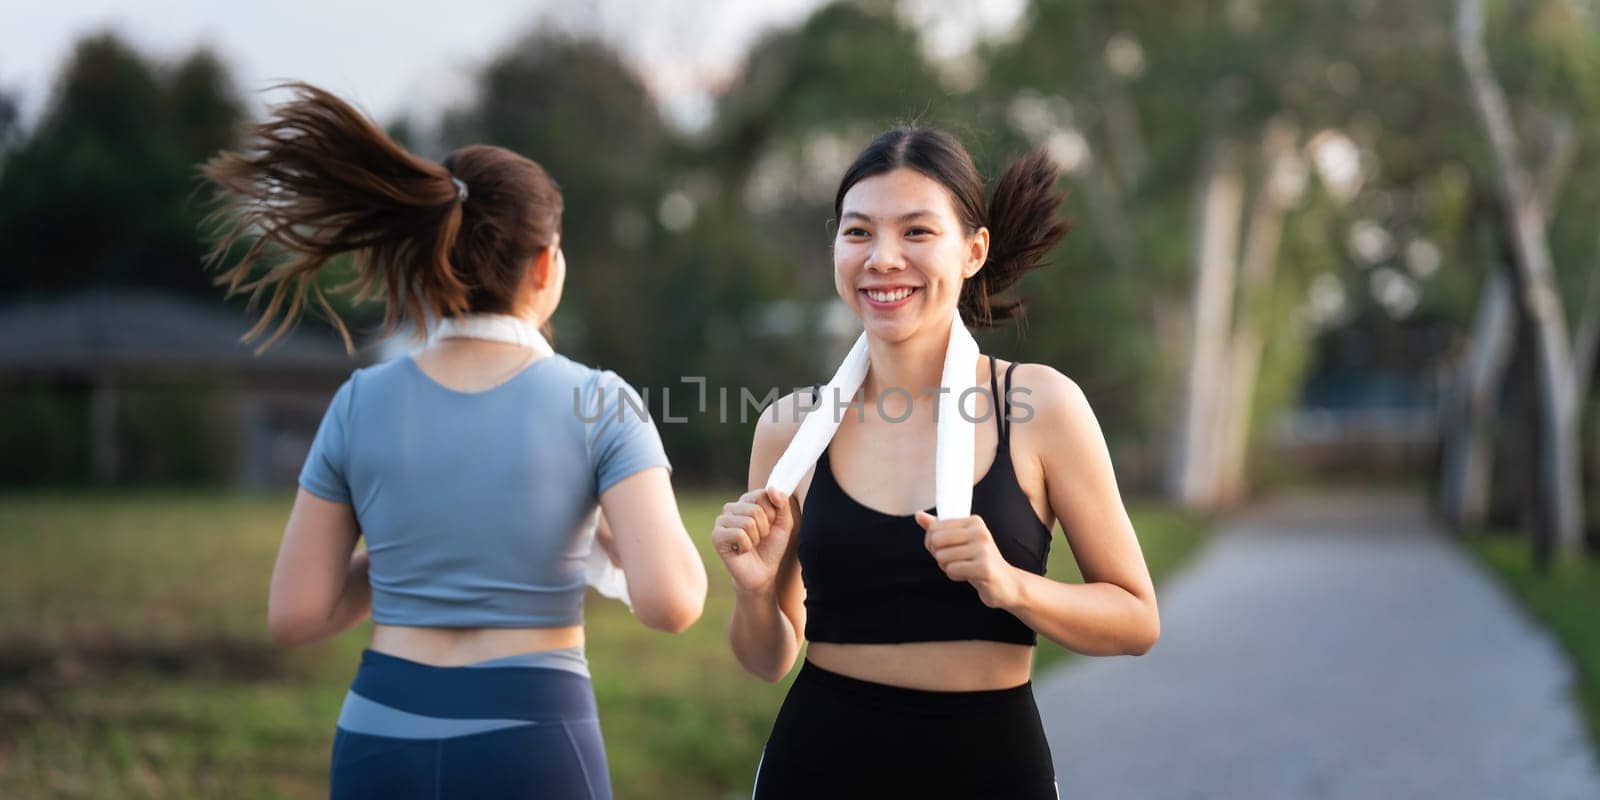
x=1326, y=646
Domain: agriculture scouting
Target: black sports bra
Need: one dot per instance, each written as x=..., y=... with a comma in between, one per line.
x=868, y=578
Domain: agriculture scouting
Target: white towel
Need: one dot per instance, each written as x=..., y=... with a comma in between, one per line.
x=956, y=433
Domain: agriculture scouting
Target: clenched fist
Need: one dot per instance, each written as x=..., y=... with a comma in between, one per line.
x=966, y=551
x=751, y=535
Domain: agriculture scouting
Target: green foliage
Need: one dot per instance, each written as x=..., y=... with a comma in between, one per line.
x=176, y=434
x=46, y=431
x=103, y=191
x=820, y=76
x=10, y=120
x=171, y=434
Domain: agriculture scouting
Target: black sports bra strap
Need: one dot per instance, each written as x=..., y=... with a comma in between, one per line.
x=994, y=399
x=1005, y=427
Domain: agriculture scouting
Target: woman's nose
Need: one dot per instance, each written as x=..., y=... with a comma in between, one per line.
x=885, y=257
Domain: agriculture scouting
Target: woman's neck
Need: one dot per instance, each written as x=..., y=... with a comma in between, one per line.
x=914, y=366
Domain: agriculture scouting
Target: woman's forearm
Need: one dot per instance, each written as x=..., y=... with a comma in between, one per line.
x=1097, y=619
x=762, y=636
x=354, y=604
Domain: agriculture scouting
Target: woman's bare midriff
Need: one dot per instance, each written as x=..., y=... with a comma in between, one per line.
x=963, y=666
x=455, y=647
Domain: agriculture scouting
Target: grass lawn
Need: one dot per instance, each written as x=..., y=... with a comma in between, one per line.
x=134, y=660
x=1564, y=602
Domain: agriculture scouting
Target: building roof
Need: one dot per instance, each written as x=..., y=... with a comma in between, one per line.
x=140, y=329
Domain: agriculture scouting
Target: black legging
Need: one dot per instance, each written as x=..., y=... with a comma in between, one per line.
x=839, y=737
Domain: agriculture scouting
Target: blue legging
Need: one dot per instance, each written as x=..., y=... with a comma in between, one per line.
x=496, y=729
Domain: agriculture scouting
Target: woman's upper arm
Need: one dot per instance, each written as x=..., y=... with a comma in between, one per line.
x=774, y=429
x=313, y=562
x=666, y=579
x=632, y=475
x=1081, y=484
x=640, y=503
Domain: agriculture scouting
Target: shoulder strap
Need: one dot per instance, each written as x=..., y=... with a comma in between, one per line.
x=995, y=400
x=1005, y=427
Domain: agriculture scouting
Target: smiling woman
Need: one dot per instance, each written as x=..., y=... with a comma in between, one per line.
x=939, y=208
x=921, y=629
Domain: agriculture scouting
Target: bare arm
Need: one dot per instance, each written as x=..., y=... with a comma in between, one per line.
x=666, y=579
x=319, y=584
x=1114, y=611
x=755, y=539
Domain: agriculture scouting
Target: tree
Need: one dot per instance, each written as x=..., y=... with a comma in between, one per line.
x=573, y=106
x=10, y=122
x=1526, y=221
x=807, y=100
x=102, y=191
x=1188, y=127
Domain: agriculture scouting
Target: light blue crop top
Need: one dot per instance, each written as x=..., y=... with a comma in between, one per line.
x=475, y=505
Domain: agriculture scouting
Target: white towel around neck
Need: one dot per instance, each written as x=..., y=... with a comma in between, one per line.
x=956, y=433
x=599, y=572
x=954, y=448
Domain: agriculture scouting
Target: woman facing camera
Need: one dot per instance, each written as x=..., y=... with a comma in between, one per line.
x=473, y=469
x=899, y=517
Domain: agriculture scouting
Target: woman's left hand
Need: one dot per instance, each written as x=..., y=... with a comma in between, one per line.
x=966, y=551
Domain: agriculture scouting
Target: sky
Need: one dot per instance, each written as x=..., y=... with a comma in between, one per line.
x=403, y=57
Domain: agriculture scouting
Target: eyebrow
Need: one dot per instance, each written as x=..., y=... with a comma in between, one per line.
x=903, y=217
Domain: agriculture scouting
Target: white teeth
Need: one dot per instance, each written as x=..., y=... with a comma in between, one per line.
x=888, y=297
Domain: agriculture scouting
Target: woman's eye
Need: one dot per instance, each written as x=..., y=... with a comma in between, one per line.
x=919, y=232
x=854, y=232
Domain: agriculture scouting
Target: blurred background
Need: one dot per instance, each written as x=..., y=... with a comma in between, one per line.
x=1343, y=243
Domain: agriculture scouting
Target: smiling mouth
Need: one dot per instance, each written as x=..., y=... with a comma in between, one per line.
x=889, y=296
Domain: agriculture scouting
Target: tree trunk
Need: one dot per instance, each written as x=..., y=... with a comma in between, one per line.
x=1468, y=414
x=1562, y=488
x=1522, y=416
x=1219, y=203
x=1586, y=340
x=1273, y=199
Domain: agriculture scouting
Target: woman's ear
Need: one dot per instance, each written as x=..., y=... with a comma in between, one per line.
x=977, y=254
x=539, y=269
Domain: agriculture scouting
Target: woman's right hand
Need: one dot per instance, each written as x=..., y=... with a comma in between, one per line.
x=751, y=536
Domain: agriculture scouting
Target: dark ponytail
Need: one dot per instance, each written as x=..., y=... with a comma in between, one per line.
x=1024, y=226
x=1022, y=217
x=318, y=179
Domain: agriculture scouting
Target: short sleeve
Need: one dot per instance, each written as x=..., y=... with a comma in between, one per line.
x=622, y=438
x=324, y=473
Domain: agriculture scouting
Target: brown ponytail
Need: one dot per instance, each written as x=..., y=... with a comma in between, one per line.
x=1022, y=216
x=1024, y=226
x=318, y=179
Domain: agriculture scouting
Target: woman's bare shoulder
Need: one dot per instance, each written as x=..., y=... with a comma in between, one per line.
x=779, y=421
x=1045, y=385
x=774, y=430
x=1049, y=408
